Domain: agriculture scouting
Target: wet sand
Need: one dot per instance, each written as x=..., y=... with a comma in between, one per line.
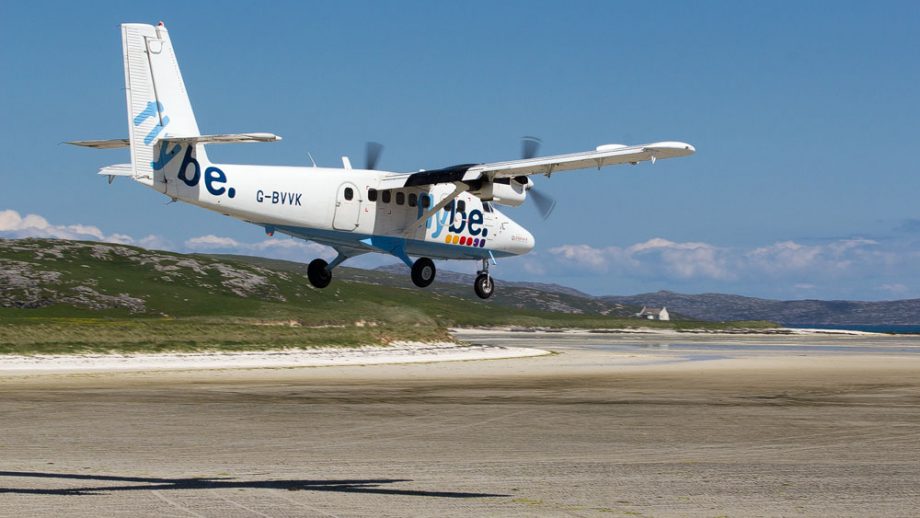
x=609, y=426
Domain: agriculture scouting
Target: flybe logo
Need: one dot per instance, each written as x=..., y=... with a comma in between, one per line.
x=457, y=222
x=153, y=109
x=190, y=174
x=214, y=178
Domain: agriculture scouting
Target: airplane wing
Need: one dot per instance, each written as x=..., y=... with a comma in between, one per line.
x=611, y=154
x=225, y=138
x=101, y=144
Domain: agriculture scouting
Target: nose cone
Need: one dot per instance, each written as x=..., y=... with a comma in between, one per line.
x=520, y=240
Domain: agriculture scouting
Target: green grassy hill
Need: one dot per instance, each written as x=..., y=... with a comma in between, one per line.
x=65, y=296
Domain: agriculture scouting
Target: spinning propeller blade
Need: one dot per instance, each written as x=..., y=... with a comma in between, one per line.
x=372, y=155
x=544, y=203
x=530, y=146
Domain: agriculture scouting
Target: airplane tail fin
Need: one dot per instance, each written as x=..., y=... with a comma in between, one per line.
x=160, y=117
x=158, y=103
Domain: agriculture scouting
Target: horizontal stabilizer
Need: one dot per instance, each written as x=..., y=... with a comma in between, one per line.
x=117, y=170
x=101, y=144
x=227, y=138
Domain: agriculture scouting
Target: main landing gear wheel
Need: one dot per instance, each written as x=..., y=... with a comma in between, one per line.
x=423, y=271
x=484, y=286
x=318, y=273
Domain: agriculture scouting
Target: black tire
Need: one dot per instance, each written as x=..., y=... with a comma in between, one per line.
x=319, y=274
x=423, y=272
x=484, y=286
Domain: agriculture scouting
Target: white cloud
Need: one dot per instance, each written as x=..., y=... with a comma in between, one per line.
x=845, y=267
x=653, y=257
x=799, y=265
x=13, y=225
x=687, y=260
x=584, y=255
x=895, y=288
x=155, y=242
x=277, y=247
x=211, y=242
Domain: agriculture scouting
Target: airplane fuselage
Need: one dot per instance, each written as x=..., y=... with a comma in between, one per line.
x=342, y=207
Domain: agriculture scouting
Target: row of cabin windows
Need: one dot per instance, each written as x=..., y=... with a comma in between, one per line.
x=386, y=196
x=413, y=199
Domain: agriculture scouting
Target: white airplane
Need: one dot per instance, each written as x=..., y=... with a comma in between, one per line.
x=444, y=213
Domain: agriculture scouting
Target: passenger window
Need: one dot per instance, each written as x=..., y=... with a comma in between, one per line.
x=385, y=196
x=400, y=197
x=372, y=195
x=461, y=206
x=349, y=193
x=413, y=199
x=426, y=200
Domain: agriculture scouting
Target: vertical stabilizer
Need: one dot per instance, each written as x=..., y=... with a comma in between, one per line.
x=158, y=104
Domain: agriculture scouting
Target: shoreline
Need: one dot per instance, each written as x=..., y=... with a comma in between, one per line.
x=766, y=332
x=472, y=344
x=398, y=353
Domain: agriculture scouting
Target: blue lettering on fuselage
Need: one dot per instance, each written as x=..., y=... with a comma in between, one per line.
x=152, y=109
x=190, y=174
x=279, y=198
x=470, y=221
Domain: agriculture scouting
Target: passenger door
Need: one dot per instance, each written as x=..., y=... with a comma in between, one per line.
x=347, y=207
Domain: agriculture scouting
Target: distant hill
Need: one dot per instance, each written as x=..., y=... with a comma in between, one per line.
x=62, y=276
x=55, y=275
x=713, y=307
x=719, y=307
x=519, y=295
x=59, y=296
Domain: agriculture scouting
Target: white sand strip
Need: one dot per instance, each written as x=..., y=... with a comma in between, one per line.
x=404, y=352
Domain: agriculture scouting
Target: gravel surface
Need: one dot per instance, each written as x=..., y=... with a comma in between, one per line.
x=591, y=431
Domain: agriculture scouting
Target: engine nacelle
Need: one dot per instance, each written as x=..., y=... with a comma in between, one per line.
x=505, y=191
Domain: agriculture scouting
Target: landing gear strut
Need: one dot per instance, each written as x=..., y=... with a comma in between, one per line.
x=319, y=273
x=484, y=286
x=423, y=272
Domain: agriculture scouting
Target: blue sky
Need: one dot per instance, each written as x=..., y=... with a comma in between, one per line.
x=804, y=116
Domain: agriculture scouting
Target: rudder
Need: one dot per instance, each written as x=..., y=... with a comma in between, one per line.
x=158, y=102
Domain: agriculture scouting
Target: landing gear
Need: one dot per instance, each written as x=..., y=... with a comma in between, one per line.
x=319, y=273
x=423, y=272
x=484, y=286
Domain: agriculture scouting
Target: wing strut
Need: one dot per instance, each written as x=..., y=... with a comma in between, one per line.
x=459, y=189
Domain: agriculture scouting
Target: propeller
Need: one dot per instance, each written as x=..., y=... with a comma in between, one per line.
x=530, y=146
x=544, y=203
x=372, y=154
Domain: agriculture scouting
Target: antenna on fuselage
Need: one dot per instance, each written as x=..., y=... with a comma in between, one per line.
x=311, y=159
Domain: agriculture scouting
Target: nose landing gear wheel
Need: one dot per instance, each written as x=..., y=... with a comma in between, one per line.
x=318, y=273
x=484, y=286
x=423, y=272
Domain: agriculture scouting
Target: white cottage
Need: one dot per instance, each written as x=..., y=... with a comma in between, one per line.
x=654, y=313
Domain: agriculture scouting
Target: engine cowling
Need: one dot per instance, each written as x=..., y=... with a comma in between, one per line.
x=505, y=191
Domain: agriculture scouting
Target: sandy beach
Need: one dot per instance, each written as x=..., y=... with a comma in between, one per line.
x=608, y=425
